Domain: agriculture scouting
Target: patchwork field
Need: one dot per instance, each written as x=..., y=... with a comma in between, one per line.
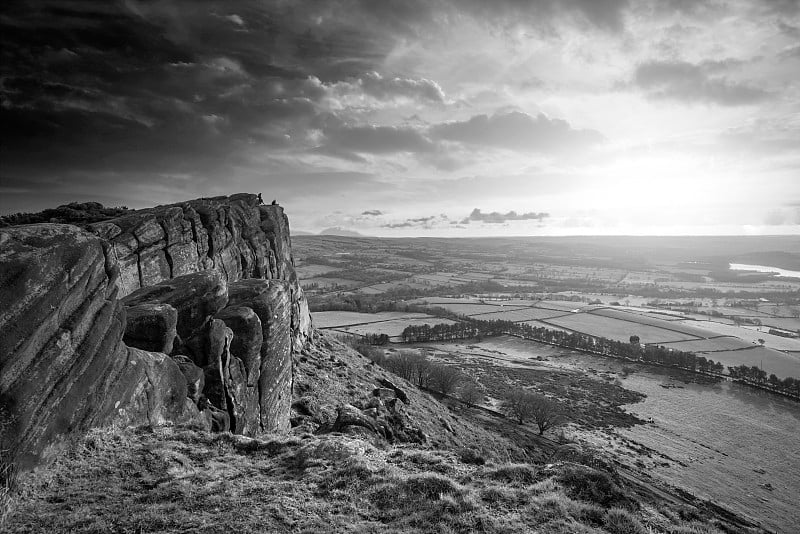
x=311, y=270
x=519, y=315
x=472, y=309
x=597, y=325
x=702, y=318
x=778, y=310
x=563, y=305
x=333, y=319
x=771, y=360
x=649, y=320
x=540, y=324
x=392, y=328
x=751, y=335
x=325, y=282
x=710, y=345
x=787, y=323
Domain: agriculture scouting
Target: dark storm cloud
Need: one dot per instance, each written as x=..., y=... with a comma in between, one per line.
x=691, y=83
x=371, y=213
x=517, y=131
x=180, y=86
x=181, y=82
x=498, y=218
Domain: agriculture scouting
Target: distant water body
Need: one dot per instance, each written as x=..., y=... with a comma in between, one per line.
x=780, y=273
x=731, y=439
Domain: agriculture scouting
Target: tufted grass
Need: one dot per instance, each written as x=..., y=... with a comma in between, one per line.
x=174, y=480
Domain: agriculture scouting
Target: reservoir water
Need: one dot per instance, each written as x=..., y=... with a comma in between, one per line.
x=780, y=273
x=729, y=441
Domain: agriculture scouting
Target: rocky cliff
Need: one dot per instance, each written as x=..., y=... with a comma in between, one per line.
x=185, y=313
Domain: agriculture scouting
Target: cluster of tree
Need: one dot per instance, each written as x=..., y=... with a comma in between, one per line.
x=73, y=213
x=529, y=406
x=757, y=376
x=418, y=369
x=376, y=339
x=448, y=380
x=440, y=332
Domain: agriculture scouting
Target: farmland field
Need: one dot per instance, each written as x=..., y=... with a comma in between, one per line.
x=310, y=270
x=787, y=323
x=772, y=361
x=725, y=343
x=597, y=325
x=540, y=324
x=666, y=292
x=519, y=315
x=750, y=334
x=392, y=328
x=471, y=309
x=564, y=305
x=702, y=318
x=648, y=320
x=778, y=310
x=328, y=282
x=333, y=319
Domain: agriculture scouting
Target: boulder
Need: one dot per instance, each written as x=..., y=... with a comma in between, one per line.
x=150, y=390
x=195, y=377
x=270, y=300
x=218, y=420
x=207, y=345
x=151, y=327
x=349, y=415
x=397, y=390
x=384, y=393
x=196, y=297
x=61, y=343
x=226, y=377
x=248, y=337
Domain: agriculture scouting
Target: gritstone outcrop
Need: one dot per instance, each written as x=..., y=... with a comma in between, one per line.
x=187, y=313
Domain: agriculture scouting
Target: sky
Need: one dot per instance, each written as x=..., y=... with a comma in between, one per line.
x=411, y=117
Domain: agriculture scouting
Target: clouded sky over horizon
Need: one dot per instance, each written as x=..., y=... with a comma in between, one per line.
x=451, y=118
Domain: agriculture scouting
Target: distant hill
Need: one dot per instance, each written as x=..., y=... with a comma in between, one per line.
x=338, y=230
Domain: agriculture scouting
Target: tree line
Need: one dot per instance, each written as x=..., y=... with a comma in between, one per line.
x=471, y=328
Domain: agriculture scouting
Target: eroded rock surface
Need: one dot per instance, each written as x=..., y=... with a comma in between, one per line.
x=151, y=326
x=204, y=334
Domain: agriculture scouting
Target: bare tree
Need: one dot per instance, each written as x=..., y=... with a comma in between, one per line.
x=407, y=364
x=471, y=393
x=528, y=406
x=444, y=378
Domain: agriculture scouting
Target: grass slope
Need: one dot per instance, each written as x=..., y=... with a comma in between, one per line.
x=465, y=476
x=178, y=480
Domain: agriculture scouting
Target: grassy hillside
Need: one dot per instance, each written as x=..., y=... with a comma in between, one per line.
x=440, y=471
x=178, y=480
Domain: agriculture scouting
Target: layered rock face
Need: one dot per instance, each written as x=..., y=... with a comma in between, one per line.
x=183, y=313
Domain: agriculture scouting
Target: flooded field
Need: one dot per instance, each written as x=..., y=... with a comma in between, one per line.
x=731, y=444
